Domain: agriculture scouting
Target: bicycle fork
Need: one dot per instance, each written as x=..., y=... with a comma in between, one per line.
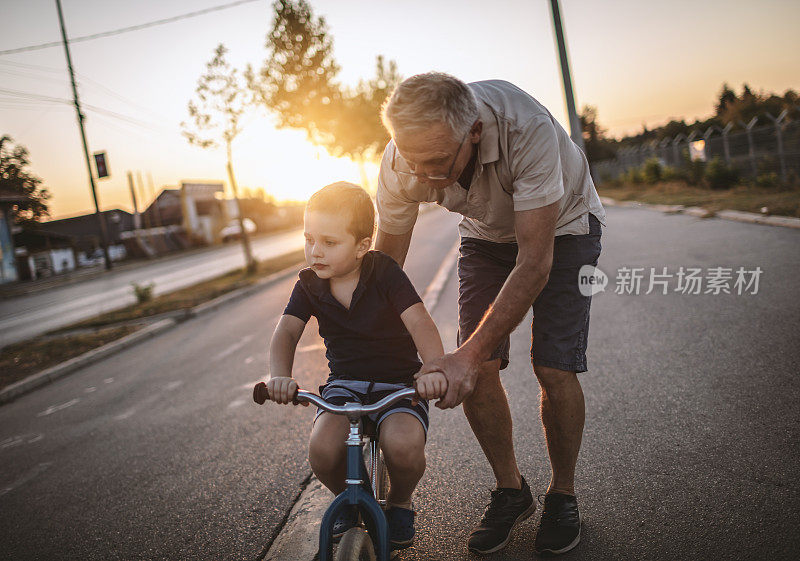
x=359, y=494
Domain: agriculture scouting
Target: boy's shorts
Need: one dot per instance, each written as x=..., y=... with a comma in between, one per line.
x=560, y=327
x=340, y=391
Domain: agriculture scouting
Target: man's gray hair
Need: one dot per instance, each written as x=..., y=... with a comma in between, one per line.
x=426, y=99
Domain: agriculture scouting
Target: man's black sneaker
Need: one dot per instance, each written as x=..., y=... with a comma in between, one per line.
x=560, y=525
x=507, y=508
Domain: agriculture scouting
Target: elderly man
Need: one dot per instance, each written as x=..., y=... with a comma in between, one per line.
x=531, y=220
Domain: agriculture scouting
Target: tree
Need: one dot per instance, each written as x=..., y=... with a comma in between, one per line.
x=298, y=83
x=726, y=97
x=594, y=136
x=297, y=79
x=15, y=179
x=216, y=115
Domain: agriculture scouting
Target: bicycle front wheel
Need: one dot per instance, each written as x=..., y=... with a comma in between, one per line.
x=356, y=545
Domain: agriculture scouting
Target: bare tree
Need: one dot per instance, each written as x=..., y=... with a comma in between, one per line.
x=216, y=120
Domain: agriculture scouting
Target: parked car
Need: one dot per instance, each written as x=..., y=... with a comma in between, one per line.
x=233, y=232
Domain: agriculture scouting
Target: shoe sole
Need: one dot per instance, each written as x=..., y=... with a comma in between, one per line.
x=567, y=548
x=521, y=518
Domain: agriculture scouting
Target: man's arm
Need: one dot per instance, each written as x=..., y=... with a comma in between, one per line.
x=395, y=246
x=535, y=230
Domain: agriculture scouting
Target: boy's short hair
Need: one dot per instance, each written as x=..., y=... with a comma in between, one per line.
x=343, y=196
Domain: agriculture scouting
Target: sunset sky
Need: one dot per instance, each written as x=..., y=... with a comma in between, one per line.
x=637, y=61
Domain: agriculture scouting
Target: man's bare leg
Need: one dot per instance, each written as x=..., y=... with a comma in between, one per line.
x=490, y=418
x=563, y=412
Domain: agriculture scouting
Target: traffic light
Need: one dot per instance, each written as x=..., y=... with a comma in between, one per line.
x=100, y=163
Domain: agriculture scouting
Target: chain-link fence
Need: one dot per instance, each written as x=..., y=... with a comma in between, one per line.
x=766, y=145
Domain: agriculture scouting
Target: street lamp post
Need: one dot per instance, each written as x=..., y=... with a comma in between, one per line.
x=576, y=131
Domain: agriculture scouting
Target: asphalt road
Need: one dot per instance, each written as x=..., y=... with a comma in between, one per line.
x=690, y=449
x=23, y=317
x=159, y=452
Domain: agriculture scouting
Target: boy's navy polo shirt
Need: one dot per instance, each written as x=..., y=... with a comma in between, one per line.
x=369, y=341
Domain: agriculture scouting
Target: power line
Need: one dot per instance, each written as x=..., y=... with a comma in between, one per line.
x=127, y=29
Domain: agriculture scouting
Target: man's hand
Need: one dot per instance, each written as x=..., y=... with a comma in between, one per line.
x=431, y=386
x=461, y=369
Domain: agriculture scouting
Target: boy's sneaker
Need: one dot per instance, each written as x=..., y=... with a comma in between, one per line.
x=401, y=527
x=348, y=518
x=507, y=508
x=560, y=525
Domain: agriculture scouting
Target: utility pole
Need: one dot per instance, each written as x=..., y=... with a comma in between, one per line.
x=159, y=224
x=100, y=219
x=137, y=219
x=575, y=130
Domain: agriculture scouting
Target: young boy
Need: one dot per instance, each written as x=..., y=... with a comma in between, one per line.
x=373, y=323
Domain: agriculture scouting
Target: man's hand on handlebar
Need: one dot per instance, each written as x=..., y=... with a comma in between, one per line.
x=431, y=385
x=281, y=389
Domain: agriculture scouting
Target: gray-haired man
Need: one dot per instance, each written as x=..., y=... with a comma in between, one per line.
x=492, y=153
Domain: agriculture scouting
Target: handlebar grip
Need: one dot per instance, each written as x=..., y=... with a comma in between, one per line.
x=260, y=393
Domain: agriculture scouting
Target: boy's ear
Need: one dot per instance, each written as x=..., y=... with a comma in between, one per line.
x=363, y=247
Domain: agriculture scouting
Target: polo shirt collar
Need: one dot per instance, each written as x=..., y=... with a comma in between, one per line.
x=489, y=145
x=321, y=288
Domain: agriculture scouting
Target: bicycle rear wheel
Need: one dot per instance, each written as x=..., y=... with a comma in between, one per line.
x=356, y=545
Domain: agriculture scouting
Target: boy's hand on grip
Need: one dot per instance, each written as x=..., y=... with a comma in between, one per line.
x=432, y=385
x=282, y=389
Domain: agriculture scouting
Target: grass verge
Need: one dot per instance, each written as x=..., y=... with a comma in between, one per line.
x=31, y=356
x=743, y=197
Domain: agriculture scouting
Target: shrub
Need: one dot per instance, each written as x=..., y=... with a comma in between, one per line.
x=768, y=180
x=718, y=175
x=652, y=171
x=143, y=292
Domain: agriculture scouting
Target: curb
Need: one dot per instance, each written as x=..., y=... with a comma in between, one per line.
x=299, y=538
x=736, y=215
x=15, y=390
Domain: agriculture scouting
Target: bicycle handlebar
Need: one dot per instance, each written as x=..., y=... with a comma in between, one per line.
x=261, y=394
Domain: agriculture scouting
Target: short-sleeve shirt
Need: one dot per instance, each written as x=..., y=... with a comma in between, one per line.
x=368, y=341
x=525, y=160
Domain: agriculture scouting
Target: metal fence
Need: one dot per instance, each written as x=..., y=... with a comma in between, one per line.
x=765, y=145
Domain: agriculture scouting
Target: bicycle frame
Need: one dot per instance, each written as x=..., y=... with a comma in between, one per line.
x=359, y=489
x=359, y=494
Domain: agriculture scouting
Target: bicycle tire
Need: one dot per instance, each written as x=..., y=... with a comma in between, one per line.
x=355, y=545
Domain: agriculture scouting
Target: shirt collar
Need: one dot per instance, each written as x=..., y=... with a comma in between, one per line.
x=489, y=145
x=321, y=288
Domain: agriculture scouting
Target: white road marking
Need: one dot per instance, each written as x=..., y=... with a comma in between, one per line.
x=314, y=347
x=128, y=413
x=236, y=403
x=108, y=380
x=32, y=474
x=250, y=385
x=235, y=347
x=174, y=385
x=53, y=408
x=19, y=439
x=90, y=389
x=434, y=289
x=248, y=360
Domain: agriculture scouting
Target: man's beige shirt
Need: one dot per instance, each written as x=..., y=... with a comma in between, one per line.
x=525, y=160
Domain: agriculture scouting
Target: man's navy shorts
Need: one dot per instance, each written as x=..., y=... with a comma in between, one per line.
x=560, y=313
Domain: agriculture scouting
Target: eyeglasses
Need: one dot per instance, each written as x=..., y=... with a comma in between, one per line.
x=425, y=175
